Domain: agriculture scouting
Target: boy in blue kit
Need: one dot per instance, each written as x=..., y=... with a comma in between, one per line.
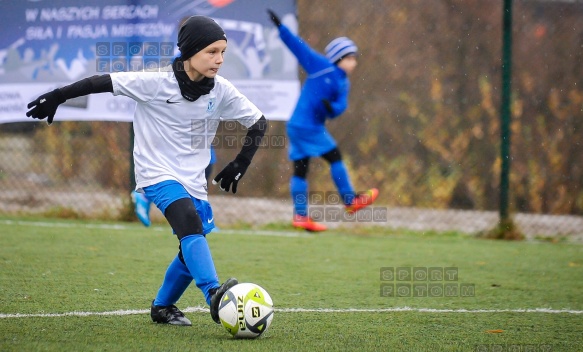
x=324, y=96
x=175, y=104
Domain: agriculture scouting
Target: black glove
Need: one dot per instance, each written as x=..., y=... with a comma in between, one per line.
x=328, y=106
x=232, y=173
x=46, y=105
x=274, y=18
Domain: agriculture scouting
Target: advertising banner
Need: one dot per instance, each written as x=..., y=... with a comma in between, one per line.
x=45, y=44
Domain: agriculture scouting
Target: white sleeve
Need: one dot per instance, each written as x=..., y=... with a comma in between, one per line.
x=236, y=106
x=140, y=86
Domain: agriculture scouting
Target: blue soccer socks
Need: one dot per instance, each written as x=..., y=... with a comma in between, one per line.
x=175, y=283
x=197, y=255
x=300, y=197
x=299, y=193
x=341, y=179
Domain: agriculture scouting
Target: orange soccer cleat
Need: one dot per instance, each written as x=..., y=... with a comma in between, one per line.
x=363, y=200
x=306, y=223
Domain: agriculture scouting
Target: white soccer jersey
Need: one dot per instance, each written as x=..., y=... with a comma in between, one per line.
x=173, y=135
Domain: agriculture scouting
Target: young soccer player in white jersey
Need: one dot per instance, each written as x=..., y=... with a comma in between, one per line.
x=177, y=112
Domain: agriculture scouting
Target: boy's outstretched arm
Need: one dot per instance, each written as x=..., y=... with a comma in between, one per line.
x=310, y=59
x=45, y=106
x=233, y=172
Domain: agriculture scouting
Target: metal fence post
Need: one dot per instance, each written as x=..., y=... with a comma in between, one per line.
x=505, y=108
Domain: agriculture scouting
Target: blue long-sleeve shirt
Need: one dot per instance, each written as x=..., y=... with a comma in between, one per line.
x=324, y=81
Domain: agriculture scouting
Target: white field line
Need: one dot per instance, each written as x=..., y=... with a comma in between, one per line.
x=119, y=227
x=282, y=310
x=306, y=310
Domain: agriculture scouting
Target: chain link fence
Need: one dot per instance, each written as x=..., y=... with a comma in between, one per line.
x=423, y=126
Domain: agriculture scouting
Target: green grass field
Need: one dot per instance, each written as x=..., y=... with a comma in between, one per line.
x=87, y=286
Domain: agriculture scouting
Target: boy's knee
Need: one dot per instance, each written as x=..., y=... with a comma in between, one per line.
x=301, y=167
x=332, y=156
x=183, y=218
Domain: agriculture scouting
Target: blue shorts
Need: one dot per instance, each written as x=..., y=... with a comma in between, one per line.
x=166, y=192
x=308, y=142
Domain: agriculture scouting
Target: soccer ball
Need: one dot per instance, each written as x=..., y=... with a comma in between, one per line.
x=246, y=311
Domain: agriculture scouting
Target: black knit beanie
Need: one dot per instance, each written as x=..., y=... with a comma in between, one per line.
x=196, y=33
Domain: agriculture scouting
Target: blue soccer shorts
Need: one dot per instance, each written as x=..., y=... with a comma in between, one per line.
x=166, y=192
x=308, y=142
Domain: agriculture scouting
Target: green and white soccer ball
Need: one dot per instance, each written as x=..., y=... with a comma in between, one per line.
x=246, y=311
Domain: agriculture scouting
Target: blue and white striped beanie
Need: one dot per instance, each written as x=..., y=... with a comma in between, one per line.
x=339, y=48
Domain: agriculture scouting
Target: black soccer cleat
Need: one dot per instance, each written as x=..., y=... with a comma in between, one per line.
x=217, y=295
x=168, y=315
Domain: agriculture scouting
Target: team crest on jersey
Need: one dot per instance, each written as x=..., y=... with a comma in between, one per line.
x=211, y=106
